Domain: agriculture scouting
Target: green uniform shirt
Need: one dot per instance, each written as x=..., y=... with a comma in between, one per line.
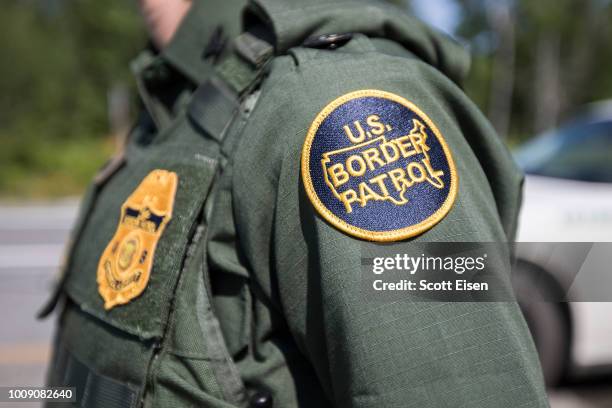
x=285, y=281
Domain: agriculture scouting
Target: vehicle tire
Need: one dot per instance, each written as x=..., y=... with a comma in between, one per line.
x=547, y=318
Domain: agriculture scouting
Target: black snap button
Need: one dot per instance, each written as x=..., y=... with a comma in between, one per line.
x=329, y=41
x=163, y=72
x=261, y=399
x=157, y=74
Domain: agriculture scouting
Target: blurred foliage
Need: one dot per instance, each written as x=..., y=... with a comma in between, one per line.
x=534, y=63
x=60, y=58
x=558, y=57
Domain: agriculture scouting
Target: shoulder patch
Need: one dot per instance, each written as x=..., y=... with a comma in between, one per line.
x=376, y=167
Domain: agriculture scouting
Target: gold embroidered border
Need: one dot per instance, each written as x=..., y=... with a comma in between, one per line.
x=380, y=236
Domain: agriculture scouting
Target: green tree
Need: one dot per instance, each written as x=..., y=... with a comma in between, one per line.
x=59, y=61
x=556, y=54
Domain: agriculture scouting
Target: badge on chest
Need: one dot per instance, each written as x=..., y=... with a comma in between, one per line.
x=125, y=265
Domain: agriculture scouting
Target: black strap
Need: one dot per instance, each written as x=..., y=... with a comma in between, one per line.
x=93, y=390
x=215, y=102
x=253, y=49
x=213, y=107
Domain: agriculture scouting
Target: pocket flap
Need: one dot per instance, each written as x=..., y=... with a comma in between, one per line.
x=145, y=313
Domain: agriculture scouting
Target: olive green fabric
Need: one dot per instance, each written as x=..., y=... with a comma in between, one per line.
x=294, y=20
x=284, y=313
x=137, y=344
x=305, y=273
x=206, y=21
x=167, y=79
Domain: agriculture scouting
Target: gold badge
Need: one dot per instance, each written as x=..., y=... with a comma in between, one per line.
x=125, y=264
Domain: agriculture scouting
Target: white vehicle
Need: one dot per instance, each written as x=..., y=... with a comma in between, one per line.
x=564, y=253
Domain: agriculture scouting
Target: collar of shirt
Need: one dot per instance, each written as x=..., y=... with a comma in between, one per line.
x=186, y=52
x=294, y=21
x=192, y=52
x=208, y=25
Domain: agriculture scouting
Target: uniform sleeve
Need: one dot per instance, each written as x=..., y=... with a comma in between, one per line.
x=382, y=354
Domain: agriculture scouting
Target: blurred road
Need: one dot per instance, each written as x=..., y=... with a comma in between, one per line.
x=32, y=239
x=31, y=243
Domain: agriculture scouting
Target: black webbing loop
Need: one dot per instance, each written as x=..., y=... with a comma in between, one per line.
x=213, y=107
x=93, y=390
x=215, y=102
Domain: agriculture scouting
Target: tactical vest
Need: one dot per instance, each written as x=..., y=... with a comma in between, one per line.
x=159, y=343
x=162, y=346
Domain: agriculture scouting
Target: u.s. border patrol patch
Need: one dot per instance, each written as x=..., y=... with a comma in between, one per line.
x=376, y=167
